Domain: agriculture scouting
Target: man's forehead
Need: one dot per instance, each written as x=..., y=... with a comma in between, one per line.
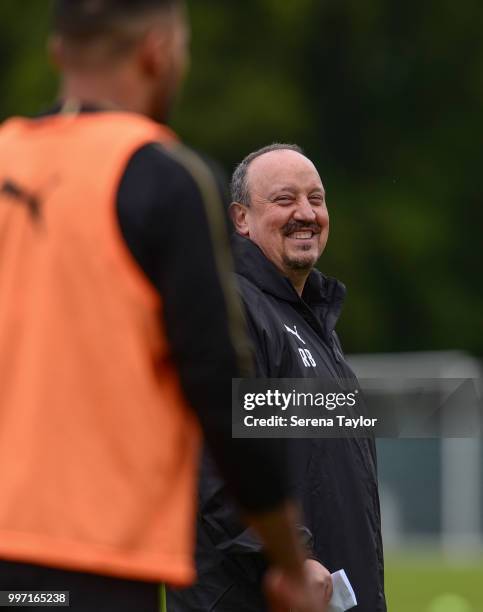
x=280, y=167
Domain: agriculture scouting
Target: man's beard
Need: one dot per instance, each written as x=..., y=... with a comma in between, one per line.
x=299, y=263
x=163, y=107
x=164, y=101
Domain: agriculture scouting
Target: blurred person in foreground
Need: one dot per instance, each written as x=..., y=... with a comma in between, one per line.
x=119, y=330
x=282, y=225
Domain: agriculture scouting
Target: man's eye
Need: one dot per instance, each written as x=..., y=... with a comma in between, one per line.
x=316, y=199
x=283, y=199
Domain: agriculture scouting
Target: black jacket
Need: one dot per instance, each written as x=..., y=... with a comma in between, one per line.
x=334, y=479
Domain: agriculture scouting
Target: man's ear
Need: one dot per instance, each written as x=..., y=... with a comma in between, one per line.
x=154, y=53
x=238, y=214
x=56, y=51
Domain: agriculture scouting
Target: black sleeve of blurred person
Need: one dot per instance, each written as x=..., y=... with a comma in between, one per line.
x=163, y=220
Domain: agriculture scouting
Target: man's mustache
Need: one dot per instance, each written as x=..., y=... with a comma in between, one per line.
x=300, y=226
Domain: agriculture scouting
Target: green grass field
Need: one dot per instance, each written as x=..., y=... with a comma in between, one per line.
x=414, y=581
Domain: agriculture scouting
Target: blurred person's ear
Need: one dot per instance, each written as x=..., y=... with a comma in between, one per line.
x=55, y=51
x=238, y=214
x=154, y=54
x=163, y=52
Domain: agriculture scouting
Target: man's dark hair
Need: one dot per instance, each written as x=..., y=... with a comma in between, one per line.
x=239, y=184
x=83, y=20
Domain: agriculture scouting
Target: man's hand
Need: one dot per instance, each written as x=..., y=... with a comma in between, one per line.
x=292, y=583
x=309, y=592
x=319, y=578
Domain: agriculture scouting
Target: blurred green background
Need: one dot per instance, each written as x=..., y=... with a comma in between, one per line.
x=386, y=97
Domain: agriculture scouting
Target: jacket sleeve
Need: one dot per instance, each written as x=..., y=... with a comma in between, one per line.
x=261, y=357
x=219, y=516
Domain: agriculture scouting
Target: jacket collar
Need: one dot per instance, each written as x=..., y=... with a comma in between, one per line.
x=320, y=292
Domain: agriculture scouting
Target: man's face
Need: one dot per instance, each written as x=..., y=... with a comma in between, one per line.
x=287, y=217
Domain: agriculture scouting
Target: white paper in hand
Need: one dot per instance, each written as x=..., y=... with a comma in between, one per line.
x=343, y=596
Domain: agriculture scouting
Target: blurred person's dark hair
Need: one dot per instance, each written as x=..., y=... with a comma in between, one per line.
x=87, y=19
x=239, y=187
x=108, y=25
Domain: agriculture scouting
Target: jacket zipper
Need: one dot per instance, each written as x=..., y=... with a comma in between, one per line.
x=328, y=344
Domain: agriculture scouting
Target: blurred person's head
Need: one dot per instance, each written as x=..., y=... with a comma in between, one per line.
x=128, y=54
x=279, y=204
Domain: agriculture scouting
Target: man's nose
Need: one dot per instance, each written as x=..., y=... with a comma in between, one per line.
x=304, y=210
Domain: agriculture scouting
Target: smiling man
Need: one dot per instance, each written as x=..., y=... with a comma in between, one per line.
x=285, y=213
x=282, y=225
